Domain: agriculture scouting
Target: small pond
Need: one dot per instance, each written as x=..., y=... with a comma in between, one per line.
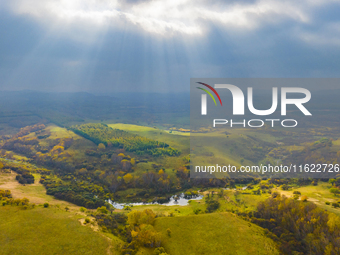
x=180, y=201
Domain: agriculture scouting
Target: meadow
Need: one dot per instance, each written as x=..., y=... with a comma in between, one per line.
x=198, y=234
x=47, y=231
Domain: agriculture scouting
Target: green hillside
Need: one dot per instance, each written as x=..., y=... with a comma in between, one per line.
x=215, y=233
x=46, y=231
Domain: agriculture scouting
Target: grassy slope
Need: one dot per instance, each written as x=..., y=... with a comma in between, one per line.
x=36, y=192
x=317, y=194
x=216, y=233
x=179, y=140
x=46, y=231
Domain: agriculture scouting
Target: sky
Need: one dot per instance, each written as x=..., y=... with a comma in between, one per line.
x=108, y=46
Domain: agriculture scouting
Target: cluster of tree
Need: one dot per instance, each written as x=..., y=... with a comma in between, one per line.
x=88, y=195
x=211, y=204
x=25, y=178
x=115, y=223
x=103, y=134
x=28, y=129
x=5, y=194
x=135, y=229
x=140, y=224
x=299, y=227
x=7, y=199
x=319, y=151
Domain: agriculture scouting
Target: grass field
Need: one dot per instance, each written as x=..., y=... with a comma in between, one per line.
x=179, y=140
x=216, y=233
x=319, y=195
x=47, y=231
x=36, y=192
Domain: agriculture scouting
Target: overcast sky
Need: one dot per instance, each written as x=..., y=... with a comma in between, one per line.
x=157, y=46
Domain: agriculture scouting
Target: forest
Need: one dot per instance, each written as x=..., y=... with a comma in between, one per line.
x=101, y=133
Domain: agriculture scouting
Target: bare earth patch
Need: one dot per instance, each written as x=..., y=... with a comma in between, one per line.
x=36, y=192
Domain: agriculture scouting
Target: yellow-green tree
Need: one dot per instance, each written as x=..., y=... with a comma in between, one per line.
x=127, y=178
x=101, y=147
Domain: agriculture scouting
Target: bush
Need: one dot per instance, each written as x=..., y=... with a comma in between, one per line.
x=46, y=205
x=102, y=210
x=212, y=205
x=256, y=192
x=296, y=192
x=197, y=211
x=168, y=231
x=335, y=205
x=275, y=194
x=327, y=203
x=296, y=196
x=87, y=220
x=127, y=208
x=335, y=191
x=158, y=251
x=304, y=198
x=82, y=209
x=284, y=187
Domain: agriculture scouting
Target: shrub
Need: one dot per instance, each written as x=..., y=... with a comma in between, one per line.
x=296, y=192
x=304, y=198
x=82, y=209
x=335, y=205
x=296, y=196
x=284, y=187
x=275, y=194
x=168, y=231
x=158, y=251
x=127, y=208
x=257, y=192
x=46, y=205
x=87, y=220
x=335, y=191
x=212, y=205
x=327, y=203
x=102, y=210
x=197, y=211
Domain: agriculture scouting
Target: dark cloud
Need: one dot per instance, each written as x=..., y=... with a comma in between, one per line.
x=59, y=55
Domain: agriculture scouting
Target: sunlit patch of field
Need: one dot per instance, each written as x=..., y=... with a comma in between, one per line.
x=178, y=141
x=319, y=195
x=215, y=233
x=294, y=148
x=78, y=146
x=47, y=231
x=336, y=142
x=36, y=192
x=130, y=127
x=59, y=132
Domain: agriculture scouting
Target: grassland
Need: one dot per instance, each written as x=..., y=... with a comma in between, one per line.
x=319, y=195
x=47, y=231
x=216, y=233
x=177, y=140
x=36, y=192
